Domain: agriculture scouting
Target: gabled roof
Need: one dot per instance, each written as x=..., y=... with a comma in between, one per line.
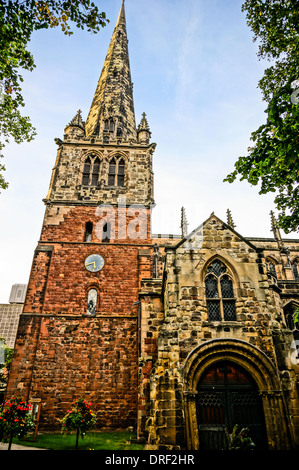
x=200, y=227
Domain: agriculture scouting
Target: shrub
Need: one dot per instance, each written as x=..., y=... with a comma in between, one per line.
x=80, y=419
x=15, y=420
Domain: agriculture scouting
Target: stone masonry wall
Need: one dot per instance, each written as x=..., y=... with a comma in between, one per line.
x=66, y=181
x=186, y=324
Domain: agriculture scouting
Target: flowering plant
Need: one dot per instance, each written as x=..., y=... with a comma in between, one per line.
x=80, y=418
x=15, y=419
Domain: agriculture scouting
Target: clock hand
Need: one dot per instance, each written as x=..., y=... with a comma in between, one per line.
x=94, y=265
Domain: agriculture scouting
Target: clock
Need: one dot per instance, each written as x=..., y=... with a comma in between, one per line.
x=94, y=263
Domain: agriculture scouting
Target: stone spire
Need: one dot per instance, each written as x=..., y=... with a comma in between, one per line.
x=112, y=113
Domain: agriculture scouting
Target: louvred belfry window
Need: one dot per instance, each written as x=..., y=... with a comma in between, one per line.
x=121, y=173
x=86, y=172
x=112, y=172
x=95, y=172
x=219, y=293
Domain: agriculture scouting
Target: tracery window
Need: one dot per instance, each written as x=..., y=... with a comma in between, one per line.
x=116, y=175
x=91, y=170
x=219, y=293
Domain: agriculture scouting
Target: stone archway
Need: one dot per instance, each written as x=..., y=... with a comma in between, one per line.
x=263, y=373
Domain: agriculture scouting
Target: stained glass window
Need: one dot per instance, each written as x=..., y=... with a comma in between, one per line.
x=211, y=286
x=214, y=310
x=226, y=287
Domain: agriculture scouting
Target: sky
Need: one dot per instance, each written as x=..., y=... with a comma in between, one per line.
x=195, y=71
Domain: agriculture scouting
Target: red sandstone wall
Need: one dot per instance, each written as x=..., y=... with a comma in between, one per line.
x=93, y=358
x=61, y=354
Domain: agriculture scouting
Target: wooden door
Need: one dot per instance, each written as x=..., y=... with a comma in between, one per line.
x=227, y=396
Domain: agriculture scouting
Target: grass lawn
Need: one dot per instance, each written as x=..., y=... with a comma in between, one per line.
x=92, y=441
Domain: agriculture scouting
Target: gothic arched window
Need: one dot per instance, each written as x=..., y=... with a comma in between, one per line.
x=91, y=171
x=116, y=174
x=219, y=293
x=92, y=301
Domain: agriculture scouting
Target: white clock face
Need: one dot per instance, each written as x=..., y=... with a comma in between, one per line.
x=94, y=263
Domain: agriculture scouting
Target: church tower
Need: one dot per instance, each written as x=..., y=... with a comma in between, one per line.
x=78, y=333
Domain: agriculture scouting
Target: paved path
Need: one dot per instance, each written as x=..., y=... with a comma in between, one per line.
x=18, y=447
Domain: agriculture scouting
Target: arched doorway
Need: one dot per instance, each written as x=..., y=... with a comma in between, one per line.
x=227, y=395
x=254, y=366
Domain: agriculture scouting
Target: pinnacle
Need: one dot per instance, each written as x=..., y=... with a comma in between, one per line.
x=143, y=126
x=77, y=120
x=230, y=221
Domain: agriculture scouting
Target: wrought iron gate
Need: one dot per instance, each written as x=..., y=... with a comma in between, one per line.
x=228, y=396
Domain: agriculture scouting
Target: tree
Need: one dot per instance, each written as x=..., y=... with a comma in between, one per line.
x=18, y=20
x=79, y=419
x=15, y=420
x=273, y=160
